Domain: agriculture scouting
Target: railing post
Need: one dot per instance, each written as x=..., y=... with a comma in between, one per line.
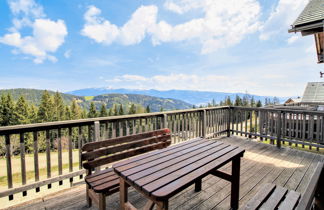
x=279, y=129
x=165, y=120
x=96, y=131
x=204, y=124
x=229, y=121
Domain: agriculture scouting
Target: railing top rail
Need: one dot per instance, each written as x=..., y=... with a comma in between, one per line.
x=5, y=130
x=296, y=111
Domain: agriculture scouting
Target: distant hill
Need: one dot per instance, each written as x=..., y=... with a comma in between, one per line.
x=189, y=96
x=155, y=103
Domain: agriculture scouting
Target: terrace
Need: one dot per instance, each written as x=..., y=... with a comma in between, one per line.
x=55, y=164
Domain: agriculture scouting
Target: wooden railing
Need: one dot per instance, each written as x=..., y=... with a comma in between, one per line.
x=280, y=126
x=58, y=144
x=62, y=140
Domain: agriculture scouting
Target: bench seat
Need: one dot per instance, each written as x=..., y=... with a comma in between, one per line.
x=103, y=181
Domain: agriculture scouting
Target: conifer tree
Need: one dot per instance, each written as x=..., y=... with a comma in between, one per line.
x=103, y=111
x=92, y=111
x=252, y=102
x=45, y=110
x=84, y=114
x=132, y=109
x=32, y=113
x=161, y=109
x=75, y=110
x=259, y=104
x=21, y=110
x=121, y=110
x=238, y=101
x=67, y=113
x=110, y=113
x=115, y=110
x=147, y=110
x=58, y=107
x=7, y=112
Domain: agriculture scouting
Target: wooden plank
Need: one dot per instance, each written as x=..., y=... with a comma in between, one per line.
x=70, y=150
x=48, y=154
x=261, y=196
x=80, y=142
x=8, y=161
x=161, y=163
x=123, y=155
x=36, y=164
x=22, y=158
x=174, y=187
x=156, y=178
x=126, y=146
x=125, y=139
x=274, y=199
x=154, y=154
x=59, y=149
x=306, y=200
x=290, y=201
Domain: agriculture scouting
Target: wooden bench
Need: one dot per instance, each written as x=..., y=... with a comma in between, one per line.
x=271, y=196
x=95, y=154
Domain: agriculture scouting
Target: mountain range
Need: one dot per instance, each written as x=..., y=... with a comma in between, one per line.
x=189, y=96
x=155, y=103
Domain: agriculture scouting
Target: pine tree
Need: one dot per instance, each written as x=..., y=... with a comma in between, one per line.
x=21, y=111
x=67, y=113
x=103, y=111
x=75, y=110
x=32, y=113
x=238, y=101
x=92, y=111
x=110, y=113
x=259, y=104
x=58, y=107
x=161, y=109
x=213, y=102
x=252, y=102
x=132, y=109
x=228, y=101
x=115, y=110
x=121, y=110
x=147, y=110
x=84, y=114
x=7, y=111
x=45, y=110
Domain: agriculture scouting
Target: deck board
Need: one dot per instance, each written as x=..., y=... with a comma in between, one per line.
x=261, y=164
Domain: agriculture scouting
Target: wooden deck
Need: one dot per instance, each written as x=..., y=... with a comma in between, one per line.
x=262, y=163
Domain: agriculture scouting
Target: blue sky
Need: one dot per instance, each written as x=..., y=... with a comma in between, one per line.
x=223, y=45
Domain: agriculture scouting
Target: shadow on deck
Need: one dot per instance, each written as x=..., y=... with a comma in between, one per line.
x=262, y=163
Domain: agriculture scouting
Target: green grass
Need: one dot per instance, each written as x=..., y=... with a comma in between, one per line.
x=299, y=146
x=88, y=98
x=16, y=177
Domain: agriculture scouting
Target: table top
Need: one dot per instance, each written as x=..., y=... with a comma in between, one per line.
x=163, y=173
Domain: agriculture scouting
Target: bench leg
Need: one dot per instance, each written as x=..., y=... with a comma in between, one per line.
x=198, y=185
x=89, y=200
x=102, y=201
x=235, y=185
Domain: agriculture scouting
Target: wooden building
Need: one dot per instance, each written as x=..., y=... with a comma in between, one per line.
x=311, y=22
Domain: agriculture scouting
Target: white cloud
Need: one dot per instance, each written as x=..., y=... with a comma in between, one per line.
x=47, y=35
x=292, y=39
x=282, y=17
x=225, y=23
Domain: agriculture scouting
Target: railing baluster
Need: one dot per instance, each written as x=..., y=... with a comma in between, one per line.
x=23, y=161
x=59, y=153
x=36, y=164
x=48, y=156
x=9, y=167
x=70, y=154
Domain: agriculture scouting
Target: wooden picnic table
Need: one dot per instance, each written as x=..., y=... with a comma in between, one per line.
x=161, y=174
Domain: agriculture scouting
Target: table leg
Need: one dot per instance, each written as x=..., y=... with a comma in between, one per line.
x=198, y=185
x=162, y=205
x=235, y=185
x=123, y=188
